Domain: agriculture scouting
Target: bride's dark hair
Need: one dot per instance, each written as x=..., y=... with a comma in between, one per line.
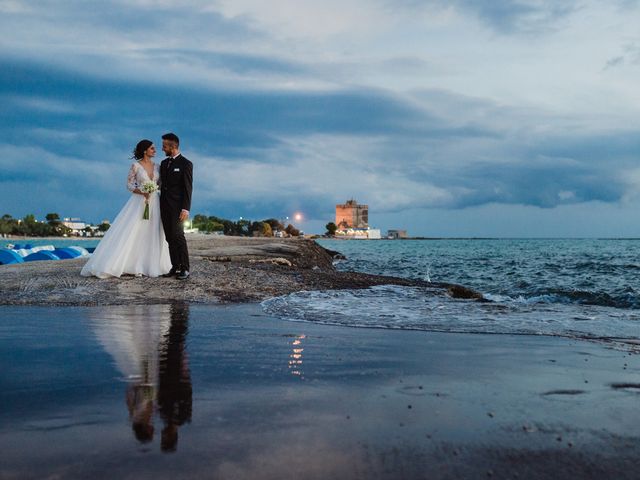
x=141, y=147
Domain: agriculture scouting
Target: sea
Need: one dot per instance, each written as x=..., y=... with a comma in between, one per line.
x=579, y=288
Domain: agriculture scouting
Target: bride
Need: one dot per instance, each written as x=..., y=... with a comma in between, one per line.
x=133, y=245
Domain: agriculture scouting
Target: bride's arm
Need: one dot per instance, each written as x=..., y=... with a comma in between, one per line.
x=132, y=184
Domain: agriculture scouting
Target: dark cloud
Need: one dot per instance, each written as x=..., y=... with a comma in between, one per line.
x=614, y=62
x=506, y=16
x=173, y=22
x=67, y=139
x=234, y=62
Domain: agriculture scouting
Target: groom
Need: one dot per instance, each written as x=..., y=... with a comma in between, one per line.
x=176, y=182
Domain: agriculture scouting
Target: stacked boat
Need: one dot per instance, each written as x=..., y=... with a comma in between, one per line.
x=28, y=253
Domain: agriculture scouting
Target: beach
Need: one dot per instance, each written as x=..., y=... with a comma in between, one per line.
x=224, y=269
x=270, y=399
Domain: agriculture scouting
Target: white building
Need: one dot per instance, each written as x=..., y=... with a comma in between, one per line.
x=76, y=225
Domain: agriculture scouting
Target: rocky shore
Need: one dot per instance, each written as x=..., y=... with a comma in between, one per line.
x=224, y=270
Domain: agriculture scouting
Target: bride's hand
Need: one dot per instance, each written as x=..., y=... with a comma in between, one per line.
x=146, y=196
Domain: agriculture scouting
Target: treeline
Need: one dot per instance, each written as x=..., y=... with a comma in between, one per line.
x=243, y=228
x=30, y=227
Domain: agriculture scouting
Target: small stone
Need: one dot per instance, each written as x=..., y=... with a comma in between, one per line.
x=490, y=414
x=559, y=438
x=570, y=444
x=489, y=473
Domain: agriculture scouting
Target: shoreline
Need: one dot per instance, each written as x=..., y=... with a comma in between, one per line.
x=224, y=270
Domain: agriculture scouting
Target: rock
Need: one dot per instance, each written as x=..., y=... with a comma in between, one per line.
x=458, y=291
x=273, y=261
x=335, y=255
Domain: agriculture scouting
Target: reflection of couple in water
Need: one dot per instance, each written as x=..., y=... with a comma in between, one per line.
x=148, y=344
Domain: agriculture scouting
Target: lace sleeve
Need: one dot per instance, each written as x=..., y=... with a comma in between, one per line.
x=132, y=182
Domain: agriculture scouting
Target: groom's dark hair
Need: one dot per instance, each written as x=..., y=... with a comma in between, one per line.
x=171, y=137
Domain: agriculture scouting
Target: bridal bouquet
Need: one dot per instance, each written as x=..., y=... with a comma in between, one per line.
x=148, y=187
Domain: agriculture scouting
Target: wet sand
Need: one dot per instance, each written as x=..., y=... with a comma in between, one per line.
x=270, y=399
x=223, y=270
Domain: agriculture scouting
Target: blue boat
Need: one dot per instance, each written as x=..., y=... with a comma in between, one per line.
x=66, y=253
x=82, y=252
x=8, y=256
x=41, y=255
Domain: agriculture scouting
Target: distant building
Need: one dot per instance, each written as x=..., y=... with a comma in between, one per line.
x=352, y=220
x=351, y=215
x=396, y=234
x=76, y=225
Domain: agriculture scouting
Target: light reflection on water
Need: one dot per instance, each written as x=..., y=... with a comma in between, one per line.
x=295, y=358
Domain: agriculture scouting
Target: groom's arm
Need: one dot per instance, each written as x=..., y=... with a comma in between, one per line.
x=187, y=178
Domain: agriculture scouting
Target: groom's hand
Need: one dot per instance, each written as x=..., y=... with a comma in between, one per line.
x=184, y=215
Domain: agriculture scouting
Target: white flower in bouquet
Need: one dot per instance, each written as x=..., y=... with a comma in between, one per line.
x=148, y=187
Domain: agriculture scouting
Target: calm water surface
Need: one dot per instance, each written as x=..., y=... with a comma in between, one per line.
x=179, y=391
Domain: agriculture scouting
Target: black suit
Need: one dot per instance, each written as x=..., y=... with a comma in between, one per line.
x=176, y=184
x=175, y=396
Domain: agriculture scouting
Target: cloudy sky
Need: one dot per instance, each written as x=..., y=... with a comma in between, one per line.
x=449, y=118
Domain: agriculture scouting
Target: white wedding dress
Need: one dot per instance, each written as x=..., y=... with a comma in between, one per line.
x=132, y=245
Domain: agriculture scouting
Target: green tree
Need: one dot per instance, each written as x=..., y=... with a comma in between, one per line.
x=7, y=224
x=266, y=230
x=207, y=224
x=262, y=229
x=275, y=224
x=331, y=228
x=291, y=230
x=242, y=227
x=103, y=227
x=53, y=219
